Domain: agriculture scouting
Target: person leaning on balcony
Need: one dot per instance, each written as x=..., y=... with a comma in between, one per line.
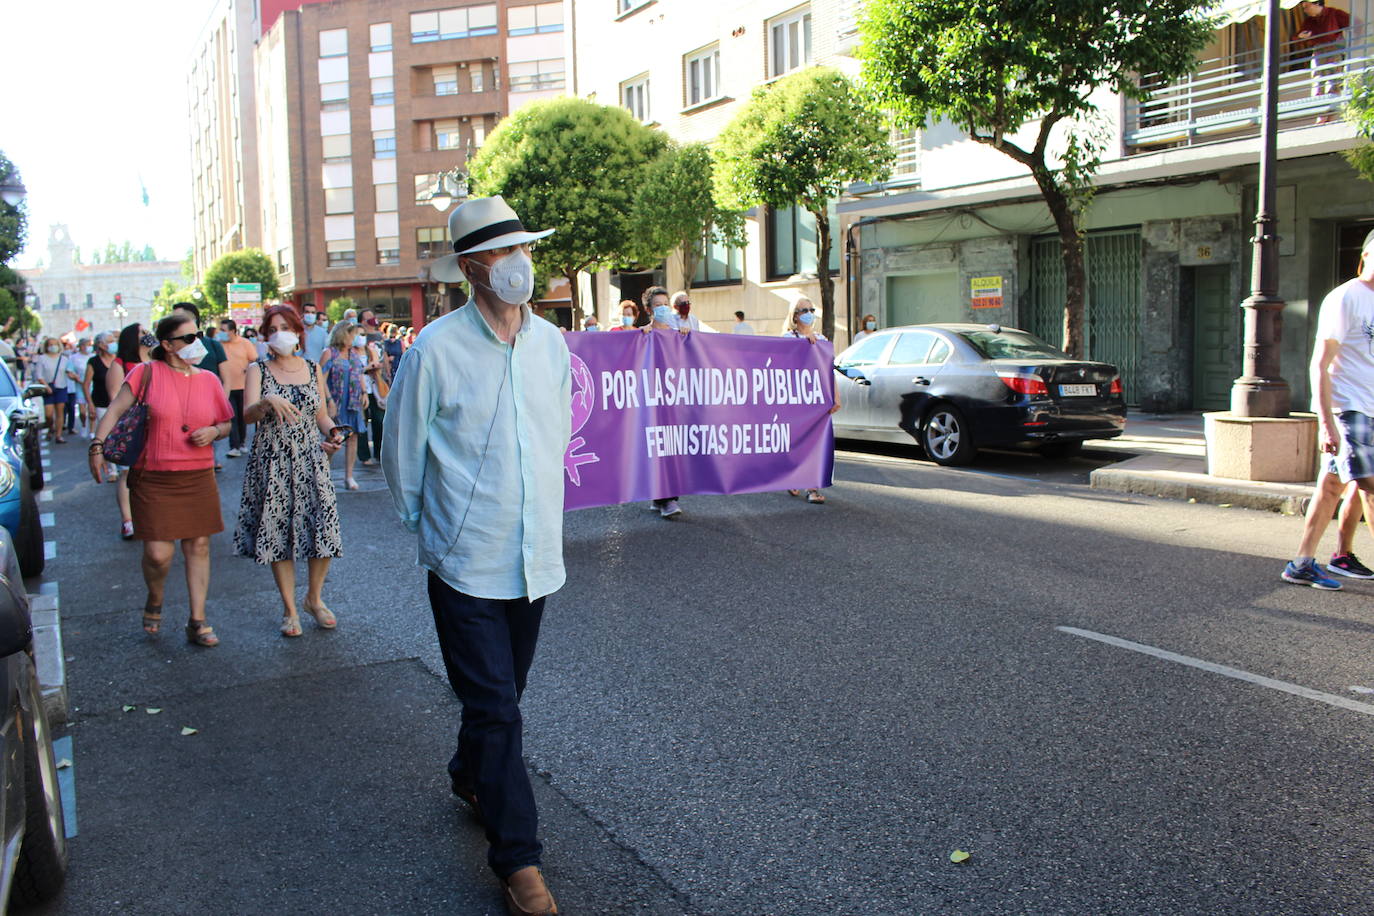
x=1322, y=34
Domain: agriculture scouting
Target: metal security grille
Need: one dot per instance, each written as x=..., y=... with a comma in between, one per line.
x=1113, y=299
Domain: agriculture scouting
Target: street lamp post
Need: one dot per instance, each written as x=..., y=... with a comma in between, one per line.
x=1261, y=391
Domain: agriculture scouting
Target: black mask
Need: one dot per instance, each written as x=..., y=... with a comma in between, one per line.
x=148, y=341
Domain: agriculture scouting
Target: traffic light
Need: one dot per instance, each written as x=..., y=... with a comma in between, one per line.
x=119, y=299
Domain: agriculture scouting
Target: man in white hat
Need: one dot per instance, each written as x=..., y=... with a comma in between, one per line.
x=1343, y=400
x=477, y=422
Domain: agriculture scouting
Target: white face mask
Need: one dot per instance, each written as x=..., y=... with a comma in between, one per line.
x=193, y=352
x=54, y=350
x=309, y=318
x=360, y=341
x=512, y=278
x=871, y=325
x=284, y=342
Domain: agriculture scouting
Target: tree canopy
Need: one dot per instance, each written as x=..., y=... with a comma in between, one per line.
x=14, y=220
x=802, y=140
x=676, y=209
x=576, y=167
x=248, y=265
x=1360, y=113
x=998, y=68
x=123, y=253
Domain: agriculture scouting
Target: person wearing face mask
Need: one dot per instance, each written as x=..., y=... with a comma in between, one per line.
x=682, y=309
x=590, y=323
x=288, y=511
x=96, y=383
x=663, y=319
x=477, y=423
x=376, y=386
x=629, y=313
x=169, y=484
x=133, y=349
x=867, y=326
x=347, y=398
x=51, y=368
x=802, y=324
x=316, y=336
x=238, y=353
x=83, y=420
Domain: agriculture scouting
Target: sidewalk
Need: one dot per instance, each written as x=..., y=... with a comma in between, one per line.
x=1171, y=461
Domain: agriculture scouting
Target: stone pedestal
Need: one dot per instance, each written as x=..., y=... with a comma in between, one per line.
x=1281, y=450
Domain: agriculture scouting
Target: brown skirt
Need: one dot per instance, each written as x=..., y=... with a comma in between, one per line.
x=174, y=505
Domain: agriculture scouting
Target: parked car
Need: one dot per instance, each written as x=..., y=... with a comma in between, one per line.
x=33, y=863
x=956, y=388
x=24, y=408
x=18, y=502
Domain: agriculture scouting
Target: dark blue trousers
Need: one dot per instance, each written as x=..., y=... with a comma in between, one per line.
x=488, y=646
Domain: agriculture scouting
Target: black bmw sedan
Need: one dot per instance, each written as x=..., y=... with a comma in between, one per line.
x=956, y=388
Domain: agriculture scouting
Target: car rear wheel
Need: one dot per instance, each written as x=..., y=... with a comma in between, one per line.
x=33, y=459
x=42, y=865
x=28, y=542
x=1065, y=449
x=945, y=436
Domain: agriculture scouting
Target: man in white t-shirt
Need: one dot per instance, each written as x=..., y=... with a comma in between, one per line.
x=1343, y=400
x=741, y=326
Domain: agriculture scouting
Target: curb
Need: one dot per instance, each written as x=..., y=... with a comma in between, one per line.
x=1183, y=477
x=47, y=652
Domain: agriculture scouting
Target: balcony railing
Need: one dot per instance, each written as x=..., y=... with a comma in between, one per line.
x=1221, y=100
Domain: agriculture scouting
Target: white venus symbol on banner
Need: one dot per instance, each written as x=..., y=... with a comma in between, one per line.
x=583, y=401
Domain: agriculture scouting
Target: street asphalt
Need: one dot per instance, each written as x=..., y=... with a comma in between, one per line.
x=766, y=707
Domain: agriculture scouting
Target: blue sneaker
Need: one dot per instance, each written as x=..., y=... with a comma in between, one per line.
x=1309, y=573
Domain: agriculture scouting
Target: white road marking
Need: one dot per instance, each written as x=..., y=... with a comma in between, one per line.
x=1297, y=690
x=50, y=550
x=45, y=496
x=46, y=463
x=47, y=519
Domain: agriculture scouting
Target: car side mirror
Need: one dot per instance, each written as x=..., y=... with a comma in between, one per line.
x=35, y=391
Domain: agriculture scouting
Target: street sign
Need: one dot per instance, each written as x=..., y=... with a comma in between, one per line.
x=245, y=293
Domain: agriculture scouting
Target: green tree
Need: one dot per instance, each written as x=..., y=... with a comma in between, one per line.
x=335, y=309
x=14, y=220
x=1009, y=72
x=802, y=140
x=14, y=314
x=574, y=166
x=676, y=209
x=248, y=265
x=173, y=292
x=1360, y=113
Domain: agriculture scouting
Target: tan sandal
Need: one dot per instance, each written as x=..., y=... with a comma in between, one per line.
x=291, y=626
x=324, y=617
x=815, y=496
x=200, y=633
x=152, y=618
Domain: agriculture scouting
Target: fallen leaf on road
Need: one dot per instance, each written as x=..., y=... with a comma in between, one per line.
x=153, y=710
x=128, y=708
x=188, y=730
x=1223, y=505
x=1192, y=500
x=958, y=857
x=63, y=764
x=1359, y=689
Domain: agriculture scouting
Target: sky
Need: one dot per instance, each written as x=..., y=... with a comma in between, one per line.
x=93, y=101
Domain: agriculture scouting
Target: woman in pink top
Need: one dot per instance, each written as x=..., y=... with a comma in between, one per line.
x=173, y=494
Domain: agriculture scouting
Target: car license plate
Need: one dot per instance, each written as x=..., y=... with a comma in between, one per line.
x=1077, y=391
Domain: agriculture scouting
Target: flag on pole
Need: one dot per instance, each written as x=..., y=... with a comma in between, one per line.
x=144, y=188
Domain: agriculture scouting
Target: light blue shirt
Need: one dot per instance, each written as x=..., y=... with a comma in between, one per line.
x=316, y=339
x=473, y=446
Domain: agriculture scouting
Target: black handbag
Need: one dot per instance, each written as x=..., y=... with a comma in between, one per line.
x=125, y=442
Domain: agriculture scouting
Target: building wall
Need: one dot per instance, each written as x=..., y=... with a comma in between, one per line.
x=136, y=283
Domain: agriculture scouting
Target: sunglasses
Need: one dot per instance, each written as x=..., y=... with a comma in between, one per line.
x=186, y=338
x=799, y=311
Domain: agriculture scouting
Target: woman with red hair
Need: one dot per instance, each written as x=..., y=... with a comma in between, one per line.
x=288, y=511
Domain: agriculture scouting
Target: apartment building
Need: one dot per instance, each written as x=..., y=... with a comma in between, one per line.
x=98, y=297
x=224, y=190
x=1168, y=234
x=361, y=107
x=687, y=67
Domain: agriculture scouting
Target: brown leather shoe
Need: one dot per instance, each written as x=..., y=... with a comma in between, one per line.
x=528, y=895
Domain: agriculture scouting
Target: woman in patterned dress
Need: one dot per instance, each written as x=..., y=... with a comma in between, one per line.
x=348, y=399
x=288, y=512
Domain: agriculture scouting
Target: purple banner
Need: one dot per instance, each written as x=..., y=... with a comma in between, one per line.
x=663, y=414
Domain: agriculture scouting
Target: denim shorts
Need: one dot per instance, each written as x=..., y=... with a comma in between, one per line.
x=1356, y=456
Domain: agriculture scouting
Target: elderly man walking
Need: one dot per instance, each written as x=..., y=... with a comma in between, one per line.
x=478, y=420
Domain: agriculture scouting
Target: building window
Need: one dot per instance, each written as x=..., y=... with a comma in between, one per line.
x=336, y=148
x=444, y=135
x=789, y=43
x=623, y=7
x=341, y=253
x=90, y=301
x=718, y=265
x=389, y=250
x=463, y=22
x=536, y=75
x=532, y=20
x=383, y=90
x=433, y=243
x=379, y=34
x=479, y=133
x=703, y=76
x=384, y=144
x=476, y=78
x=283, y=260
x=791, y=233
x=338, y=200
x=906, y=143
x=425, y=185
x=634, y=95
x=386, y=197
x=61, y=301
x=334, y=92
x=334, y=43
x=445, y=79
